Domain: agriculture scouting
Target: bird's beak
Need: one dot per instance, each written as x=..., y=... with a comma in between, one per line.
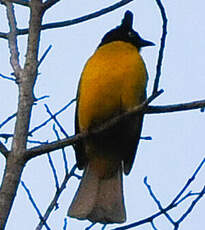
x=144, y=43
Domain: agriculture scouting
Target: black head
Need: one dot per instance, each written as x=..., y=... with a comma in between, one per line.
x=125, y=33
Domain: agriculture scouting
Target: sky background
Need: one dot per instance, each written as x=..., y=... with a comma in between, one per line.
x=177, y=145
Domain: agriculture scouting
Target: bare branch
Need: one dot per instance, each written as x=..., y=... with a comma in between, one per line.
x=19, y=2
x=15, y=161
x=63, y=151
x=7, y=120
x=201, y=194
x=77, y=20
x=53, y=170
x=56, y=121
x=7, y=78
x=44, y=55
x=157, y=202
x=12, y=38
x=162, y=45
x=143, y=108
x=34, y=204
x=176, y=108
x=49, y=3
x=56, y=197
x=172, y=205
x=4, y=35
x=54, y=115
x=4, y=150
x=188, y=182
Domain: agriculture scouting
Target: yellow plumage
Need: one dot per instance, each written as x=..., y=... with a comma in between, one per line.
x=113, y=80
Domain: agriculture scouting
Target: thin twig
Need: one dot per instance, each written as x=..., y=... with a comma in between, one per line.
x=56, y=197
x=194, y=202
x=53, y=171
x=63, y=151
x=4, y=150
x=7, y=78
x=19, y=2
x=49, y=119
x=157, y=202
x=34, y=205
x=56, y=121
x=7, y=120
x=153, y=225
x=172, y=205
x=44, y=55
x=49, y=3
x=176, y=107
x=6, y=136
x=12, y=37
x=90, y=226
x=76, y=20
x=162, y=45
x=188, y=182
x=65, y=224
x=4, y=35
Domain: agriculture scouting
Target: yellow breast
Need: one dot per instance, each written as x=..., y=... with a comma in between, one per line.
x=113, y=80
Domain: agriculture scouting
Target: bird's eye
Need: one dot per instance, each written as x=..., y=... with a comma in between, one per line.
x=130, y=34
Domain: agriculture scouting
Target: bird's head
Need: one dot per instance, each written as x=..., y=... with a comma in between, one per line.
x=125, y=33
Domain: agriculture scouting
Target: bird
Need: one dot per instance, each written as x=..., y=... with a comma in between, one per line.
x=112, y=82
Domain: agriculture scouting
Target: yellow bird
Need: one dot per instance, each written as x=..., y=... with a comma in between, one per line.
x=113, y=81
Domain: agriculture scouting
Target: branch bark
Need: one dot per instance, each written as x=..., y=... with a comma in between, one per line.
x=42, y=149
x=15, y=162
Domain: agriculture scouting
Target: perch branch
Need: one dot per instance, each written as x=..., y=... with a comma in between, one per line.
x=76, y=20
x=162, y=45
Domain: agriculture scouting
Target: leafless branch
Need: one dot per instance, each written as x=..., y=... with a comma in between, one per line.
x=12, y=38
x=56, y=121
x=4, y=35
x=176, y=107
x=7, y=78
x=19, y=2
x=36, y=151
x=55, y=198
x=7, y=120
x=76, y=20
x=49, y=3
x=44, y=55
x=157, y=201
x=51, y=118
x=63, y=151
x=34, y=205
x=172, y=205
x=162, y=45
x=3, y=149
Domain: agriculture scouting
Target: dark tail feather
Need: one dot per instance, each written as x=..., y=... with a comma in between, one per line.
x=99, y=199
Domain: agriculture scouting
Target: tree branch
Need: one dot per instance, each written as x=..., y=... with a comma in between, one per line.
x=176, y=107
x=34, y=205
x=12, y=38
x=4, y=150
x=76, y=20
x=15, y=162
x=49, y=3
x=172, y=205
x=55, y=198
x=19, y=2
x=162, y=45
x=36, y=151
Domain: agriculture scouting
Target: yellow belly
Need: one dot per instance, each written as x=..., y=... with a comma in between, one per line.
x=113, y=80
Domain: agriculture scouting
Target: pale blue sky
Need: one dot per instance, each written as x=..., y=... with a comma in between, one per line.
x=177, y=145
